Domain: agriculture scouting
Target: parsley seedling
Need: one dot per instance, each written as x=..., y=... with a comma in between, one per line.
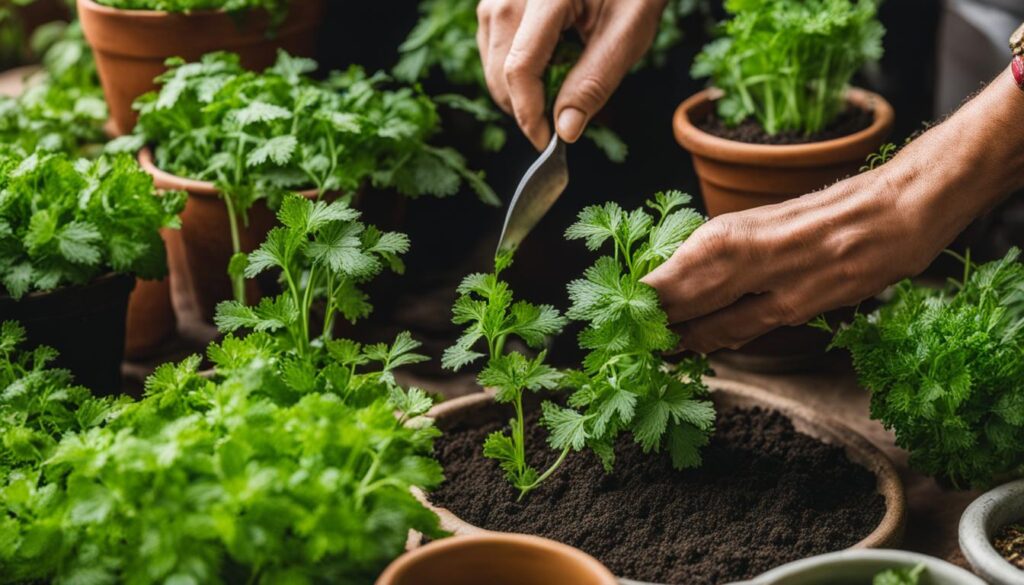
x=487, y=308
x=625, y=383
x=787, y=63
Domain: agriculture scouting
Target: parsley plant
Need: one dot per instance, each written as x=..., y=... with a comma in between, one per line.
x=625, y=383
x=787, y=63
x=65, y=222
x=261, y=135
x=946, y=371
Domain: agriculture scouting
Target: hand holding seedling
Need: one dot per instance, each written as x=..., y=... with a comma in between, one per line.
x=744, y=274
x=517, y=39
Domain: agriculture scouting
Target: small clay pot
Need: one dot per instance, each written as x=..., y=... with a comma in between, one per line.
x=861, y=566
x=200, y=263
x=151, y=320
x=496, y=559
x=131, y=46
x=736, y=175
x=980, y=524
x=86, y=324
x=479, y=409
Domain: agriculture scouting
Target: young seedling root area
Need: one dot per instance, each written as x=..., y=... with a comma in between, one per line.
x=766, y=495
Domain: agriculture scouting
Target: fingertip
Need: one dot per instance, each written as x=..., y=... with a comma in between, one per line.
x=539, y=135
x=570, y=123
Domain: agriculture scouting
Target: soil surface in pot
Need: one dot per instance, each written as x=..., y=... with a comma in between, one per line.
x=848, y=122
x=766, y=495
x=1010, y=544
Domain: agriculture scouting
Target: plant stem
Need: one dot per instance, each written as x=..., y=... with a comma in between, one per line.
x=558, y=462
x=237, y=280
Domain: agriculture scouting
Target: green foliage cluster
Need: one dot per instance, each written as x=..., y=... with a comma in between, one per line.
x=911, y=576
x=444, y=40
x=625, y=384
x=278, y=9
x=488, y=310
x=787, y=63
x=262, y=135
x=62, y=109
x=66, y=221
x=946, y=371
x=293, y=463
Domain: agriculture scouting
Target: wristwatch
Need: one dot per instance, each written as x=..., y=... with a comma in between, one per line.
x=1017, y=65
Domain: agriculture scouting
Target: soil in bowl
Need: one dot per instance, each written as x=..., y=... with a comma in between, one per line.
x=1009, y=542
x=849, y=121
x=766, y=495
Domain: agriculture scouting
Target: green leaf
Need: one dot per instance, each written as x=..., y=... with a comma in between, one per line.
x=568, y=427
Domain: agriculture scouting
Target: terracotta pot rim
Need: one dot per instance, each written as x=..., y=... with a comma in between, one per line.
x=99, y=281
x=526, y=541
x=862, y=452
x=193, y=186
x=699, y=142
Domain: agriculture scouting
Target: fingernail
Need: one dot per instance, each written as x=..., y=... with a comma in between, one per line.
x=570, y=124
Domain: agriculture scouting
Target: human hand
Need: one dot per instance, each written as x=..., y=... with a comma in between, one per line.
x=518, y=37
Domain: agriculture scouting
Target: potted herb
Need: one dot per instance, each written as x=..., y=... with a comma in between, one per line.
x=74, y=234
x=874, y=567
x=133, y=39
x=291, y=462
x=237, y=141
x=62, y=110
x=640, y=443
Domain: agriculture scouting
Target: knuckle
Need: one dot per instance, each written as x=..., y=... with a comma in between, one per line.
x=718, y=236
x=504, y=11
x=516, y=66
x=484, y=9
x=592, y=91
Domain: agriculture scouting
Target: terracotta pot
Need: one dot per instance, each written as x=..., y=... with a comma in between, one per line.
x=151, y=320
x=200, y=264
x=735, y=175
x=131, y=45
x=86, y=324
x=496, y=559
x=478, y=409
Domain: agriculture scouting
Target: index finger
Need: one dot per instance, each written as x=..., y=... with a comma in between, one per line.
x=534, y=43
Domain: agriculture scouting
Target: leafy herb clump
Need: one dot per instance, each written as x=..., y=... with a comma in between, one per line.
x=278, y=9
x=66, y=222
x=625, y=384
x=911, y=576
x=946, y=371
x=62, y=109
x=287, y=465
x=787, y=63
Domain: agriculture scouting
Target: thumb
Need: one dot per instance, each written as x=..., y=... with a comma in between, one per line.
x=616, y=43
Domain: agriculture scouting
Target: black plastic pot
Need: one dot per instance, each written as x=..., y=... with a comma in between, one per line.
x=86, y=324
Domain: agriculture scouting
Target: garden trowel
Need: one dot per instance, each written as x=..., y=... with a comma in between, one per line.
x=540, y=187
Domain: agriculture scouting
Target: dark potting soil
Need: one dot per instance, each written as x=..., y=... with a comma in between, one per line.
x=847, y=122
x=766, y=495
x=1010, y=544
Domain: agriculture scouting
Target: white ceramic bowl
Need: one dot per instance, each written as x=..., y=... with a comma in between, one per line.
x=980, y=523
x=858, y=567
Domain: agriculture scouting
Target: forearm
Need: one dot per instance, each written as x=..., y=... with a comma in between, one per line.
x=960, y=169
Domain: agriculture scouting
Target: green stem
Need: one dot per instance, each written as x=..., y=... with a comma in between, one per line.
x=237, y=280
x=526, y=489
